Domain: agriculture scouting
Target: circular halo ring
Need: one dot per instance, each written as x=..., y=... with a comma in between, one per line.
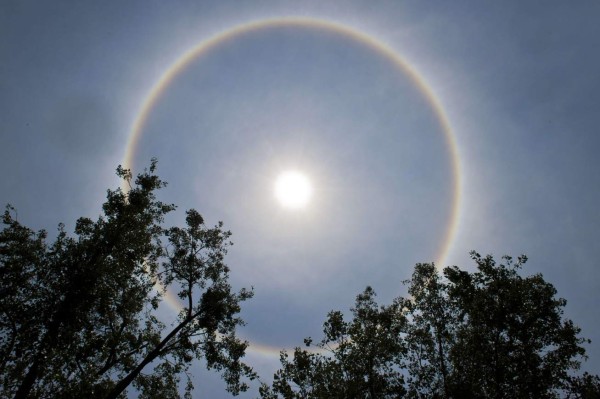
x=383, y=49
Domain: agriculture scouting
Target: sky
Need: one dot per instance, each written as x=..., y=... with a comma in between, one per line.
x=427, y=129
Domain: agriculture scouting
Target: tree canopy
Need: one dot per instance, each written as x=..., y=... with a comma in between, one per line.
x=490, y=333
x=78, y=316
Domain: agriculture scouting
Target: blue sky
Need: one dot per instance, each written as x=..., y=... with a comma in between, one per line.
x=518, y=83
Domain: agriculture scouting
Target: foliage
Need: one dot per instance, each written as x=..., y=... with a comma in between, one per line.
x=586, y=386
x=490, y=333
x=78, y=316
x=511, y=338
x=355, y=359
x=429, y=333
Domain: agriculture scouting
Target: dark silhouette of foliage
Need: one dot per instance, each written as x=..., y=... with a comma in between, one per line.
x=511, y=339
x=586, y=386
x=78, y=316
x=429, y=335
x=355, y=359
x=490, y=333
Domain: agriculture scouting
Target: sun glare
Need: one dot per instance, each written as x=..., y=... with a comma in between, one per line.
x=293, y=190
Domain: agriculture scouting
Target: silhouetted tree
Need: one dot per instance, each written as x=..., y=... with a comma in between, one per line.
x=490, y=333
x=511, y=339
x=78, y=316
x=355, y=359
x=586, y=386
x=429, y=335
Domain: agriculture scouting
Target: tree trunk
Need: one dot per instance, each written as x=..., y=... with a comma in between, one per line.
x=28, y=381
x=150, y=357
x=442, y=362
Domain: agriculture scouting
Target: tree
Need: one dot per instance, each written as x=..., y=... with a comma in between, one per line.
x=78, y=316
x=586, y=386
x=429, y=335
x=490, y=333
x=356, y=359
x=511, y=337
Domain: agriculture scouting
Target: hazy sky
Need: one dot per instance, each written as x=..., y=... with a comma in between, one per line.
x=518, y=84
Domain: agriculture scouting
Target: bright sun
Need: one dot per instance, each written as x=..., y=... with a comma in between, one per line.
x=293, y=189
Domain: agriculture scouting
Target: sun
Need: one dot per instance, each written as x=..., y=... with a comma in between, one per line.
x=293, y=190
